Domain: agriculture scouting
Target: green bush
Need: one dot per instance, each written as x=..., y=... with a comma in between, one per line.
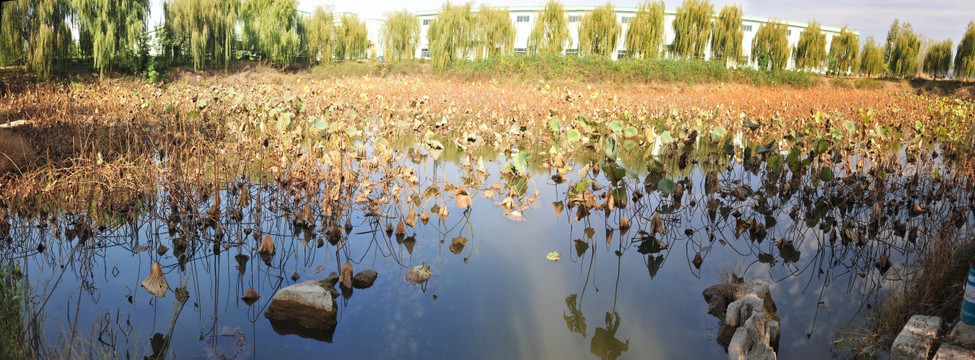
x=592, y=68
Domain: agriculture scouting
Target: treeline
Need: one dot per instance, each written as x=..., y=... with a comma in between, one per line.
x=214, y=33
x=114, y=34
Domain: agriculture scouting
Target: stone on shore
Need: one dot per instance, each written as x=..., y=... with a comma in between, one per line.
x=916, y=339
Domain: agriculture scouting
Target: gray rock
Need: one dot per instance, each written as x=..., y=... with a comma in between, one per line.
x=916, y=339
x=963, y=335
x=953, y=352
x=749, y=326
x=308, y=304
x=364, y=279
x=332, y=279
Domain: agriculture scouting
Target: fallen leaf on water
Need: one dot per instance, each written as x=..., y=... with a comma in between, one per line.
x=156, y=283
x=346, y=277
x=553, y=256
x=250, y=296
x=418, y=274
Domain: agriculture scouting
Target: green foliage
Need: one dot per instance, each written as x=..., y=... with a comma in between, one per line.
x=12, y=43
x=937, y=61
x=810, y=53
x=903, y=54
x=727, y=37
x=692, y=28
x=352, y=39
x=271, y=27
x=114, y=28
x=770, y=47
x=843, y=52
x=400, y=34
x=895, y=29
x=494, y=31
x=451, y=35
x=11, y=315
x=319, y=35
x=965, y=56
x=201, y=30
x=645, y=32
x=599, y=31
x=35, y=33
x=599, y=69
x=872, y=61
x=550, y=35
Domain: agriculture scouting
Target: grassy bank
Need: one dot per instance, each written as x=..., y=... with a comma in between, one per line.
x=934, y=286
x=582, y=69
x=595, y=69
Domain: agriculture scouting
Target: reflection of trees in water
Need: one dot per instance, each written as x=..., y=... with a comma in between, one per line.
x=208, y=234
x=794, y=219
x=831, y=217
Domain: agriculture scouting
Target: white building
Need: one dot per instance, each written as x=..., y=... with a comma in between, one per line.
x=524, y=19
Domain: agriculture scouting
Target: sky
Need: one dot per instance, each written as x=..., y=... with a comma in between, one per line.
x=933, y=19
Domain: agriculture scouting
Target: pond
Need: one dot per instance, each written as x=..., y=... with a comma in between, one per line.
x=638, y=241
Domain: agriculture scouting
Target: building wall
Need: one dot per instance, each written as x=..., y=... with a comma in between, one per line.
x=523, y=29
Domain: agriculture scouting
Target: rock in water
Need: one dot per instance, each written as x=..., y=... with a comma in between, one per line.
x=364, y=279
x=306, y=309
x=156, y=282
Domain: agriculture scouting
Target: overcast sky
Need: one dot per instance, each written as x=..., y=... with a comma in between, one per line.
x=934, y=19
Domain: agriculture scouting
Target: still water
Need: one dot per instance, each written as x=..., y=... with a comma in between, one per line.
x=493, y=293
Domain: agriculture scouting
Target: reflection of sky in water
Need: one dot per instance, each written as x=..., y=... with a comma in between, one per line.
x=508, y=301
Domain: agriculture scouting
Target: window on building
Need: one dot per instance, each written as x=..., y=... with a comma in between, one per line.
x=620, y=54
x=747, y=28
x=572, y=51
x=788, y=32
x=574, y=18
x=521, y=51
x=426, y=22
x=626, y=19
x=425, y=53
x=522, y=18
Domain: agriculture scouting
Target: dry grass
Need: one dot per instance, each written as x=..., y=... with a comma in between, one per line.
x=16, y=154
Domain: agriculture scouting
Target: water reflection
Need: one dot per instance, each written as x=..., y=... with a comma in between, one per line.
x=784, y=220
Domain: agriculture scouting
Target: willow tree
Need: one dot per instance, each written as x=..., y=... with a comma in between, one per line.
x=115, y=28
x=937, y=61
x=451, y=35
x=352, y=38
x=810, y=52
x=904, y=52
x=843, y=52
x=692, y=28
x=770, y=47
x=965, y=56
x=272, y=27
x=550, y=35
x=12, y=42
x=319, y=32
x=727, y=37
x=495, y=33
x=35, y=33
x=599, y=31
x=400, y=34
x=872, y=59
x=204, y=30
x=645, y=32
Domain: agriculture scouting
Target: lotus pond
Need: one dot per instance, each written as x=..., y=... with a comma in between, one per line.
x=558, y=221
